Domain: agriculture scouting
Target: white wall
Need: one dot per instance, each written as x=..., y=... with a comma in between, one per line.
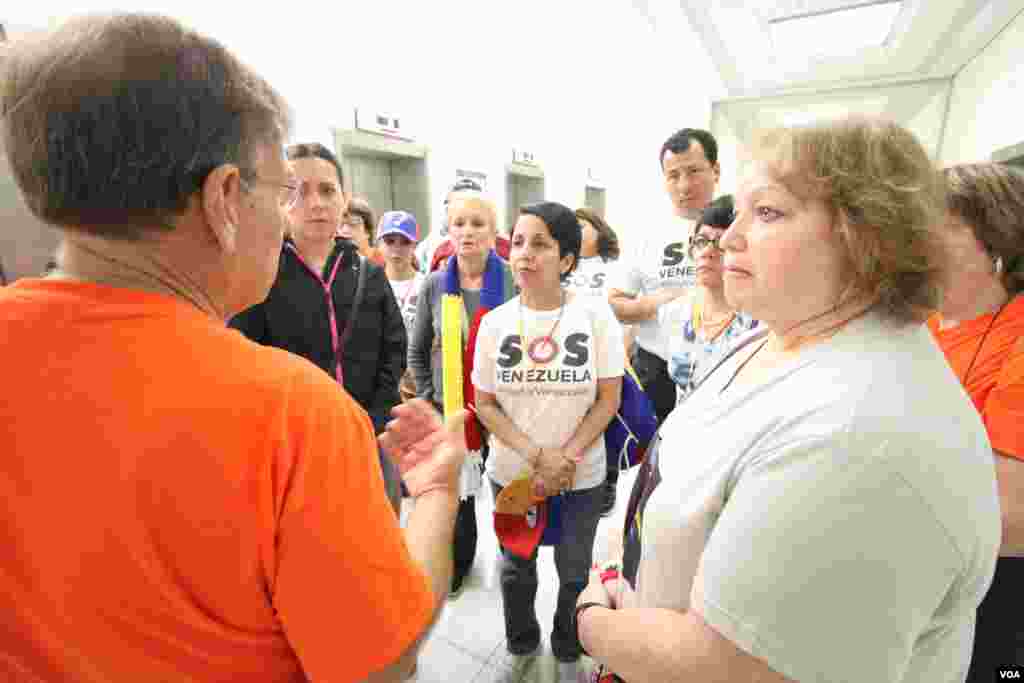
x=985, y=108
x=580, y=84
x=920, y=107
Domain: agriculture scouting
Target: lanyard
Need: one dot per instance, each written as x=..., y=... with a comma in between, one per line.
x=331, y=315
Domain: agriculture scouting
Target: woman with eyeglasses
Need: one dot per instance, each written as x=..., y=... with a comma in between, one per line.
x=311, y=302
x=357, y=225
x=703, y=324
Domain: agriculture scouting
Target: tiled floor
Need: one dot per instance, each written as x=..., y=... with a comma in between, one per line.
x=467, y=644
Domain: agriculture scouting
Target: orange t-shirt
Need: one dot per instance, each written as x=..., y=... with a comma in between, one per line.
x=181, y=504
x=995, y=381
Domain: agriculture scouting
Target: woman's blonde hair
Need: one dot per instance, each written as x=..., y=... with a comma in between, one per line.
x=477, y=201
x=886, y=196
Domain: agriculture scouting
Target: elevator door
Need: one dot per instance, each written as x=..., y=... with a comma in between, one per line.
x=370, y=177
x=391, y=184
x=521, y=190
x=595, y=200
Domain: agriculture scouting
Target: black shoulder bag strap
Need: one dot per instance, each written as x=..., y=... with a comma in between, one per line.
x=357, y=301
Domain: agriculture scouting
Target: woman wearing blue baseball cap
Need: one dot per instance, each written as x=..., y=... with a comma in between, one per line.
x=397, y=235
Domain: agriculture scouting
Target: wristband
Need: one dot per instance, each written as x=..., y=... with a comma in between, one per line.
x=609, y=574
x=576, y=622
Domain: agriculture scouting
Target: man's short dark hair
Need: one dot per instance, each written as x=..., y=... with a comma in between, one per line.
x=113, y=122
x=680, y=141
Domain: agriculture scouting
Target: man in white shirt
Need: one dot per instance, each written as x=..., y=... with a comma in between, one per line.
x=657, y=270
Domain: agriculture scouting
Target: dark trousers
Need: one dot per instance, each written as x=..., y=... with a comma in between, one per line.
x=581, y=511
x=999, y=633
x=657, y=383
x=464, y=547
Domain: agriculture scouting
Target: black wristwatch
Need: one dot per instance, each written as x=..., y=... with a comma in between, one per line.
x=576, y=622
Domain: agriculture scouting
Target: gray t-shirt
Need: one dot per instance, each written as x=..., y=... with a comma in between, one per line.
x=839, y=521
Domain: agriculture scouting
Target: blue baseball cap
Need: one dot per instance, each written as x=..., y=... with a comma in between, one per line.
x=398, y=223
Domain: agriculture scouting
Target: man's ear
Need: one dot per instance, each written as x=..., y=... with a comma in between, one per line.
x=222, y=196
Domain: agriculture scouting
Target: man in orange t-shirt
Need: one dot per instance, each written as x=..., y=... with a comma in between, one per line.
x=181, y=503
x=980, y=328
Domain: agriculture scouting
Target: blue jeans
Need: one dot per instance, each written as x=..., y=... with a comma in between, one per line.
x=581, y=511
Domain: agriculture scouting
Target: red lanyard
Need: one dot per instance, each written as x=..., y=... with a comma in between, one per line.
x=332, y=317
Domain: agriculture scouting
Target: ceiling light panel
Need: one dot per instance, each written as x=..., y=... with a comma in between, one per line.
x=834, y=33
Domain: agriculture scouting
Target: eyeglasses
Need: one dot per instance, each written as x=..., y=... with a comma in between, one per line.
x=289, y=191
x=699, y=243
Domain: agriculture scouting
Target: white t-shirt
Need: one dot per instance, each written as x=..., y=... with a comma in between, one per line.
x=658, y=261
x=406, y=293
x=841, y=518
x=592, y=277
x=548, y=401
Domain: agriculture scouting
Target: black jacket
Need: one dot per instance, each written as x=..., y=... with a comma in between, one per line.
x=295, y=317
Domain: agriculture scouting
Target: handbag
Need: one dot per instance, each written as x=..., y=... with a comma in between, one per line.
x=628, y=435
x=630, y=432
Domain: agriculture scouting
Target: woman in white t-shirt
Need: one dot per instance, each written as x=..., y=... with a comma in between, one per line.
x=548, y=377
x=599, y=252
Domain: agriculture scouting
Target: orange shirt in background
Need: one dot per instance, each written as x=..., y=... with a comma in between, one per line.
x=995, y=382
x=181, y=504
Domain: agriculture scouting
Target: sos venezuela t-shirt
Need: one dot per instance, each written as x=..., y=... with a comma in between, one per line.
x=547, y=394
x=657, y=260
x=592, y=277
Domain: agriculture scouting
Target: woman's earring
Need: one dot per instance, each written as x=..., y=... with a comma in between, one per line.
x=997, y=265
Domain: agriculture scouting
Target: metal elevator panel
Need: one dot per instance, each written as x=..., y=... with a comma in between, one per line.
x=390, y=184
x=519, y=191
x=370, y=177
x=410, y=190
x=595, y=200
